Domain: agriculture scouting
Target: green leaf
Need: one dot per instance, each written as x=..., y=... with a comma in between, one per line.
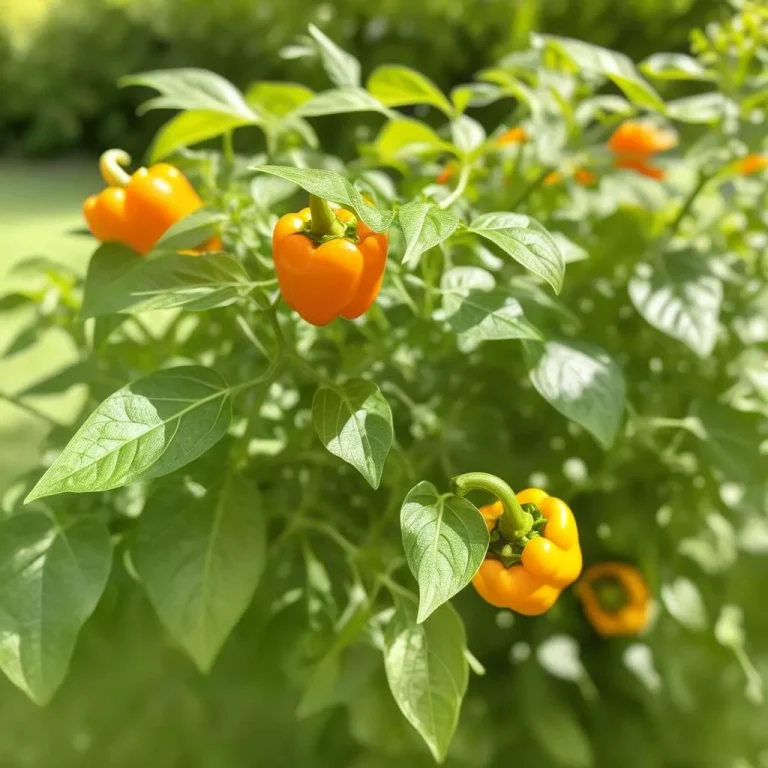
x=192, y=127
x=427, y=671
x=334, y=187
x=267, y=191
x=424, y=226
x=570, y=250
x=683, y=601
x=191, y=89
x=467, y=134
x=164, y=282
x=445, y=540
x=613, y=65
x=680, y=297
x=51, y=578
x=402, y=139
x=478, y=311
x=526, y=241
x=674, y=66
x=199, y=552
x=342, y=68
x=191, y=231
x=277, y=98
x=146, y=429
x=354, y=422
x=582, y=382
x=702, y=108
x=397, y=86
x=340, y=101
x=475, y=95
x=602, y=107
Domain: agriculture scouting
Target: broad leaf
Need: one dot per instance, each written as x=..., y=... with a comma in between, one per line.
x=526, y=241
x=602, y=107
x=478, y=311
x=681, y=297
x=147, y=429
x=51, y=578
x=402, y=139
x=341, y=101
x=445, y=540
x=191, y=89
x=613, y=65
x=343, y=69
x=334, y=187
x=191, y=231
x=424, y=226
x=427, y=671
x=674, y=66
x=467, y=134
x=277, y=98
x=164, y=282
x=570, y=250
x=702, y=108
x=397, y=86
x=582, y=382
x=199, y=552
x=475, y=95
x=192, y=127
x=354, y=422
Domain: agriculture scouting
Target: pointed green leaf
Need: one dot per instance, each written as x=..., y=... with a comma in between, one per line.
x=445, y=540
x=424, y=226
x=526, y=241
x=354, y=422
x=342, y=68
x=681, y=297
x=147, y=429
x=334, y=187
x=582, y=382
x=340, y=101
x=199, y=552
x=51, y=578
x=397, y=86
x=427, y=671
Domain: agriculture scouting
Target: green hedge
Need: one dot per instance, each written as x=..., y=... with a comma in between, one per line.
x=58, y=92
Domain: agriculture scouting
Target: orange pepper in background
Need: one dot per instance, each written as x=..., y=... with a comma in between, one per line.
x=446, y=174
x=513, y=136
x=585, y=177
x=641, y=139
x=548, y=563
x=635, y=142
x=332, y=278
x=138, y=209
x=615, y=598
x=752, y=163
x=642, y=166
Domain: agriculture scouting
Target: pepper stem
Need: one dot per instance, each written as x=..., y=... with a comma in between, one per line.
x=515, y=522
x=110, y=166
x=324, y=221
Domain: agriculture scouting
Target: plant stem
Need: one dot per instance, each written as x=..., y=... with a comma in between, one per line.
x=228, y=148
x=460, y=187
x=675, y=225
x=532, y=187
x=324, y=220
x=515, y=522
x=110, y=166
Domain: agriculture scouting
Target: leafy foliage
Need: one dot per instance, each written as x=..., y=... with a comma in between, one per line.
x=250, y=476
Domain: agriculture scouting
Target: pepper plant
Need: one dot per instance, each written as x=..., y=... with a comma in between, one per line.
x=574, y=298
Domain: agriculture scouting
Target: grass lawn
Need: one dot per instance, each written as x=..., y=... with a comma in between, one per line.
x=39, y=205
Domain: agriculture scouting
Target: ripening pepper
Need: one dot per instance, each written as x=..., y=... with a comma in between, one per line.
x=139, y=208
x=634, y=143
x=513, y=136
x=753, y=163
x=525, y=573
x=615, y=598
x=328, y=264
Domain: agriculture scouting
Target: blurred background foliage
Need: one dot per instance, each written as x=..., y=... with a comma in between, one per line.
x=60, y=59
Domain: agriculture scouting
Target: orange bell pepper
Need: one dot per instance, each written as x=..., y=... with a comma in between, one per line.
x=327, y=263
x=548, y=564
x=138, y=209
x=615, y=598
